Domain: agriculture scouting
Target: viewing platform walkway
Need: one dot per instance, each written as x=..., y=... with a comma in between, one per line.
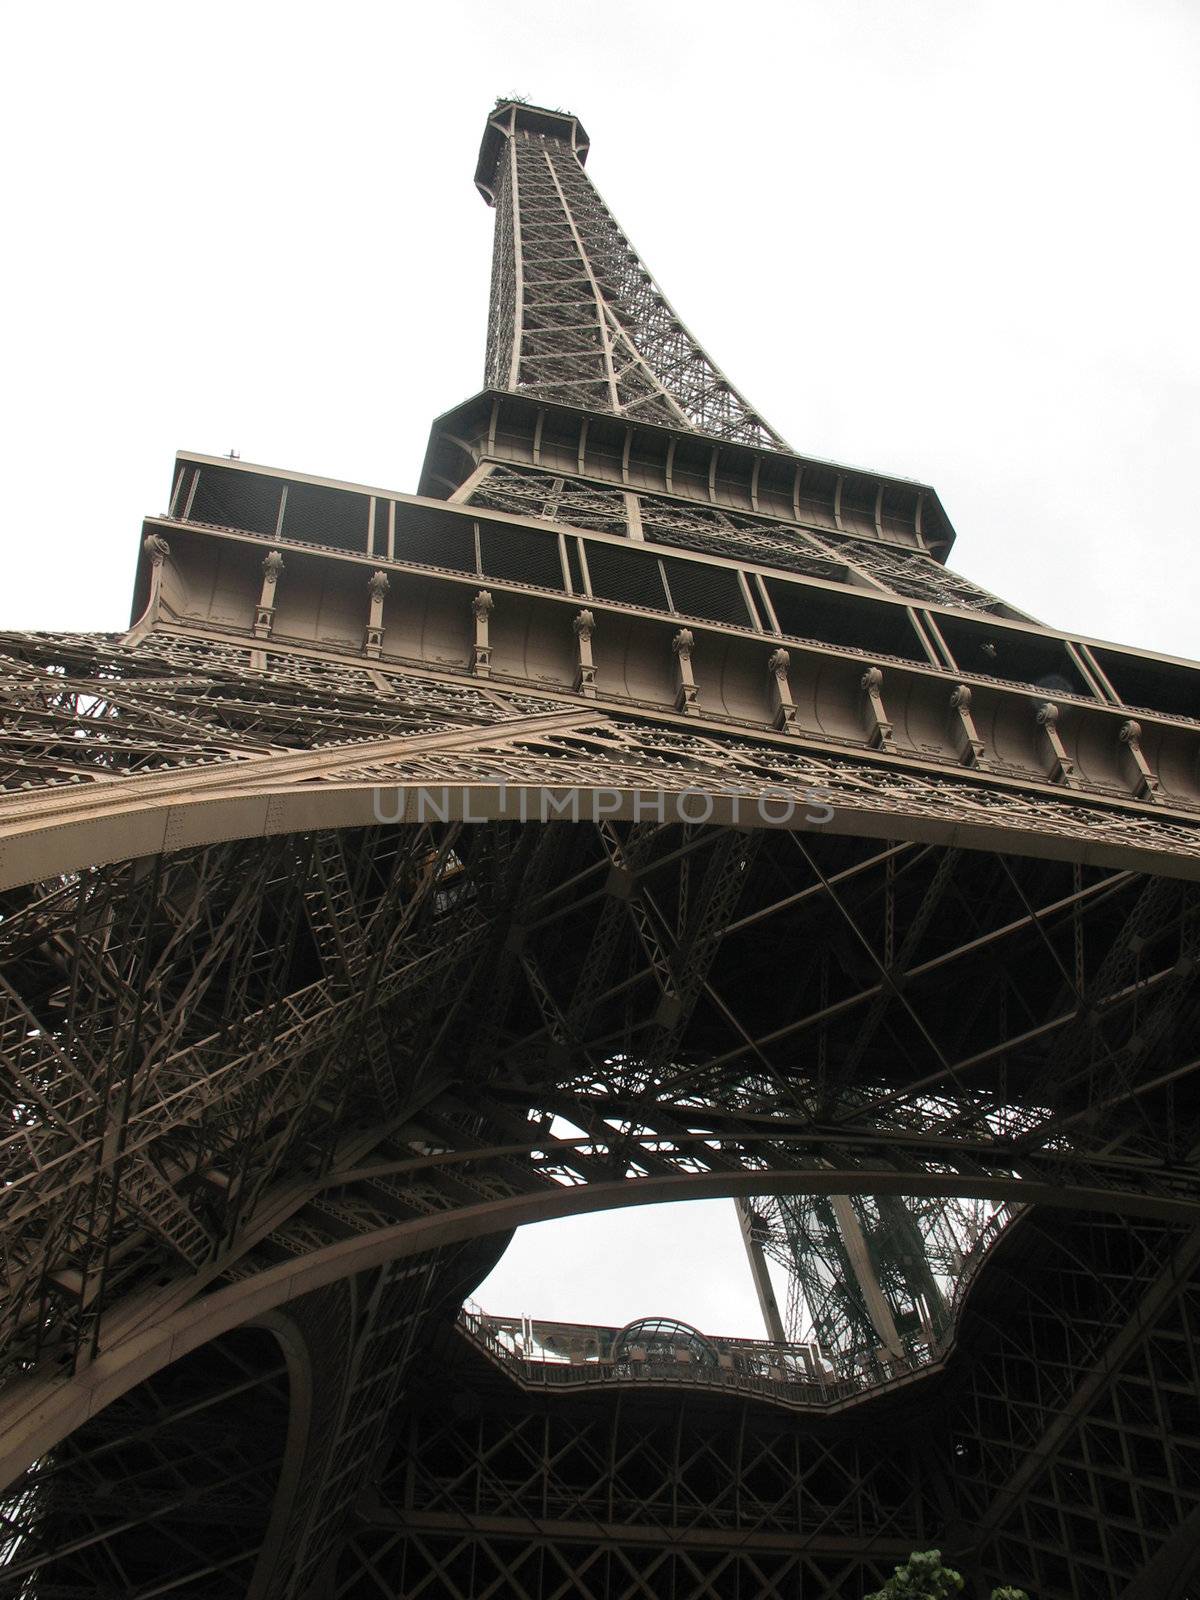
x=656, y=1352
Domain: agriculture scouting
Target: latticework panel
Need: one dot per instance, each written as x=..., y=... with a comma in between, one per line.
x=576, y=317
x=458, y=1565
x=1076, y=1431
x=895, y=569
x=362, y=1338
x=1058, y=1452
x=168, y=1490
x=917, y=576
x=228, y=1059
x=533, y=1498
x=913, y=1249
x=83, y=706
x=530, y=493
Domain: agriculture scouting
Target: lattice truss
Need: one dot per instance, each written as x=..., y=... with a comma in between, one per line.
x=177, y=1477
x=172, y=1489
x=1075, y=1426
x=174, y=1010
x=575, y=316
x=497, y=1493
x=237, y=1053
x=915, y=1251
x=529, y=492
x=1062, y=1454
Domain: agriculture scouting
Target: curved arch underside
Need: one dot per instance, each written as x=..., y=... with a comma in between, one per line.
x=244, y=1071
x=259, y=1043
x=118, y=752
x=177, y=1477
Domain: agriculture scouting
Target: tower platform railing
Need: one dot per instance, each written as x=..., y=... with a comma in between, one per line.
x=562, y=1356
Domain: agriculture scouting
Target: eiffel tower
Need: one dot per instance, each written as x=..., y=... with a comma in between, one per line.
x=639, y=812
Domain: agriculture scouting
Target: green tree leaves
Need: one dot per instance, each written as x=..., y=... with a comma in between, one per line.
x=923, y=1577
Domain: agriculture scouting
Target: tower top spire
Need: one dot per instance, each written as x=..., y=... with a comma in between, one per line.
x=575, y=316
x=512, y=116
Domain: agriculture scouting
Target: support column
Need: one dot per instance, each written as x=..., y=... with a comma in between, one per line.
x=378, y=587
x=687, y=696
x=585, y=673
x=264, y=617
x=481, y=654
x=783, y=707
x=859, y=1255
x=763, y=1287
x=1138, y=771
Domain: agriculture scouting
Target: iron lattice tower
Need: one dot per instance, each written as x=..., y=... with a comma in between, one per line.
x=575, y=317
x=640, y=811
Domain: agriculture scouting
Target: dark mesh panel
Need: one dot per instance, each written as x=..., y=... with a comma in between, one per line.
x=1019, y=657
x=233, y=499
x=702, y=591
x=326, y=516
x=1157, y=685
x=856, y=624
x=520, y=555
x=858, y=505
x=627, y=576
x=438, y=538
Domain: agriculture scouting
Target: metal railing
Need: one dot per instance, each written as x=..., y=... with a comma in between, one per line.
x=567, y=1355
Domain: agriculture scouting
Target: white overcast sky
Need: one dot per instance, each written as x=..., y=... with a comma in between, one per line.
x=954, y=240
